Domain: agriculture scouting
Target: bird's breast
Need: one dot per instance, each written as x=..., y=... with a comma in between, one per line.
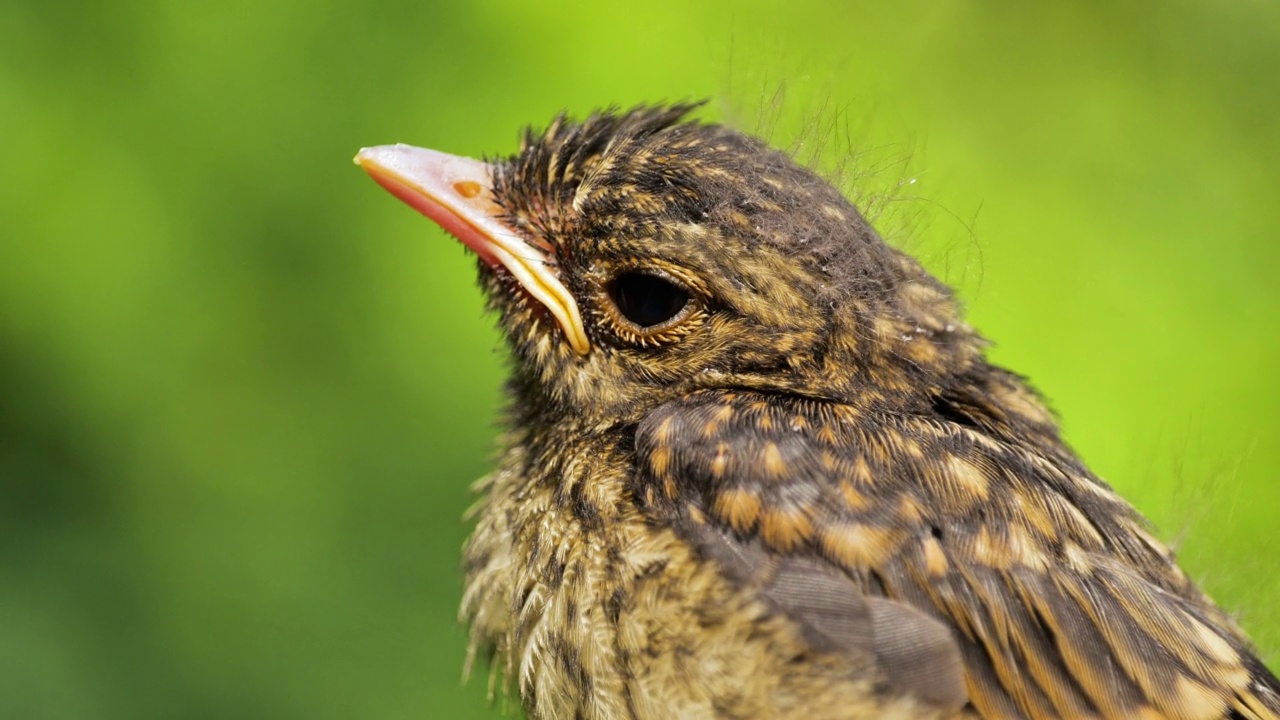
x=595, y=611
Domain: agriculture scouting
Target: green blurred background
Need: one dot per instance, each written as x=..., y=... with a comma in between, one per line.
x=243, y=391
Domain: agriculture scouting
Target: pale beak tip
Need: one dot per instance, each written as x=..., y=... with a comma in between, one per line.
x=369, y=154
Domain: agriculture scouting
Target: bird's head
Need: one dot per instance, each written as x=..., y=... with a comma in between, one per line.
x=637, y=255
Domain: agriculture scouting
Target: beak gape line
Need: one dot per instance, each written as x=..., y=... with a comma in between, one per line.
x=456, y=193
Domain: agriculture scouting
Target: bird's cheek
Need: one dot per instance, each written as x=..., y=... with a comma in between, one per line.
x=521, y=316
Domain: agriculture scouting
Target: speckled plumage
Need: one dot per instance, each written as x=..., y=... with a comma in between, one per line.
x=810, y=495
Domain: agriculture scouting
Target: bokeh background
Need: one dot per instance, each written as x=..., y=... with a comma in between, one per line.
x=243, y=391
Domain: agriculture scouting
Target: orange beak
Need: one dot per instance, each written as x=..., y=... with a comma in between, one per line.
x=455, y=193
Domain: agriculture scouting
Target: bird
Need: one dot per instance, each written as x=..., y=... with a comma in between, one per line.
x=756, y=463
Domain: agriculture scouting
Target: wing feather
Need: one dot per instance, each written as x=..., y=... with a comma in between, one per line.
x=922, y=545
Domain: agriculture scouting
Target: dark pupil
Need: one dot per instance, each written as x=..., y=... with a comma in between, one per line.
x=647, y=300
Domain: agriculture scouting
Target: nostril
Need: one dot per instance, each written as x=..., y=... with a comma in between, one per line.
x=467, y=188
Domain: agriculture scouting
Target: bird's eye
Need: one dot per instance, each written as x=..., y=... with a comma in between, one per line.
x=648, y=300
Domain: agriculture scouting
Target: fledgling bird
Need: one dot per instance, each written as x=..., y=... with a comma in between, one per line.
x=758, y=466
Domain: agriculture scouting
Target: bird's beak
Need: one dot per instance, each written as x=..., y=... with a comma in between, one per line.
x=455, y=193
